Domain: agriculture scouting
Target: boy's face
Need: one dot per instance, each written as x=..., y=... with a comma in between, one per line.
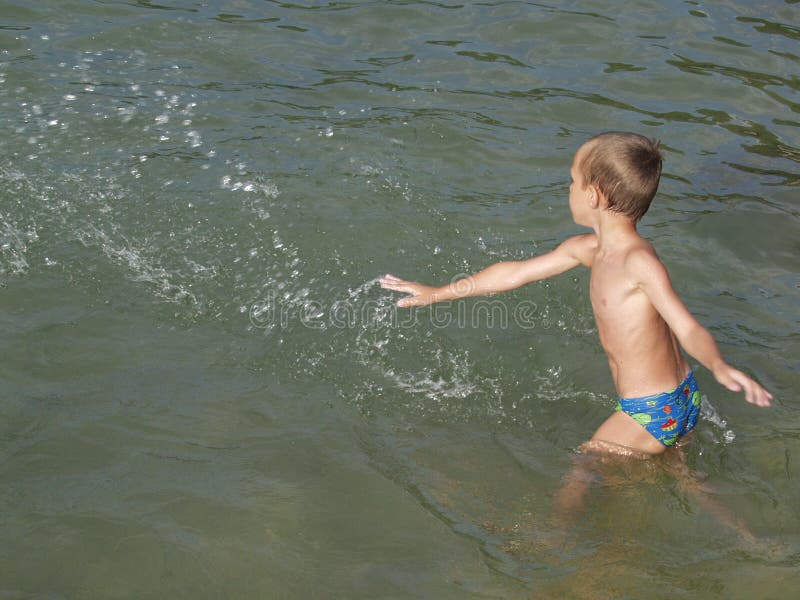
x=580, y=195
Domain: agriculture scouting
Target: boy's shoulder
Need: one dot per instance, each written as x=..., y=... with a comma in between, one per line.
x=640, y=254
x=643, y=265
x=582, y=247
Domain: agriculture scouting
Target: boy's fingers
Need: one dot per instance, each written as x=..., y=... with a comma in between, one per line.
x=757, y=395
x=390, y=282
x=408, y=301
x=392, y=279
x=749, y=396
x=750, y=393
x=394, y=283
x=753, y=392
x=764, y=397
x=399, y=287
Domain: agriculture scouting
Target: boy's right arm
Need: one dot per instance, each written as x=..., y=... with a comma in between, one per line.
x=500, y=277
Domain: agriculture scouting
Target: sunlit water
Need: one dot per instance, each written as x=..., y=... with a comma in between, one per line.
x=205, y=393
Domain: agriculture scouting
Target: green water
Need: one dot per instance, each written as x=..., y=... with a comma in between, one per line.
x=204, y=392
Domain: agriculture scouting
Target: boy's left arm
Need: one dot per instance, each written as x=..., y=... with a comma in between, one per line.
x=653, y=280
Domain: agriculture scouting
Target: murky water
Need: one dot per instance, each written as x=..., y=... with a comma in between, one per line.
x=205, y=393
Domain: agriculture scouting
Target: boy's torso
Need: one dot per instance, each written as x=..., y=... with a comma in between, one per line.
x=642, y=351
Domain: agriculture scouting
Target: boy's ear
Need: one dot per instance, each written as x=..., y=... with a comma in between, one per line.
x=596, y=198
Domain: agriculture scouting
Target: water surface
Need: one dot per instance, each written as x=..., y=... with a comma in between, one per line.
x=205, y=393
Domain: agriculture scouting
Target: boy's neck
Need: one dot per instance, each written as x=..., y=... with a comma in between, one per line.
x=613, y=229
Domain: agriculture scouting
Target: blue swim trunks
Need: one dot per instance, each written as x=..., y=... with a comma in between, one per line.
x=667, y=416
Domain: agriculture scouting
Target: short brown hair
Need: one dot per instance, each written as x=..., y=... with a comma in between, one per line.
x=625, y=167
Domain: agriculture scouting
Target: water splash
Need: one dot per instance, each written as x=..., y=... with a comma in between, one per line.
x=14, y=244
x=709, y=413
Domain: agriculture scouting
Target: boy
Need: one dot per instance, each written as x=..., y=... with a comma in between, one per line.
x=641, y=321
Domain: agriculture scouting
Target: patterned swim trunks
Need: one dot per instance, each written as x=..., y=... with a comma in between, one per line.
x=667, y=416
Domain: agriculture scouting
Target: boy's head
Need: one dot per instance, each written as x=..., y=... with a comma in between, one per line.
x=625, y=168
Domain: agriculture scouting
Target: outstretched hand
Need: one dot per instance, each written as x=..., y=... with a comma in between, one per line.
x=736, y=381
x=420, y=294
